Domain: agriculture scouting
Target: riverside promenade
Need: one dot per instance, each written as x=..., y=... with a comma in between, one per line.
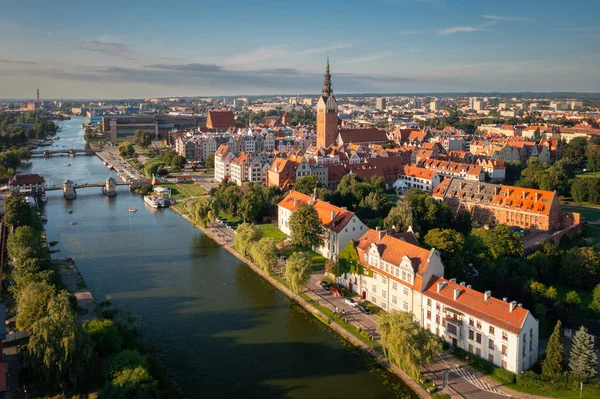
x=71, y=278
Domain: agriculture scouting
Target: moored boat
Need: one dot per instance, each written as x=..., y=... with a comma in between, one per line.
x=157, y=202
x=132, y=210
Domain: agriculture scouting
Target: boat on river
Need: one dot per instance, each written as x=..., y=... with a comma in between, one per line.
x=43, y=198
x=157, y=202
x=132, y=210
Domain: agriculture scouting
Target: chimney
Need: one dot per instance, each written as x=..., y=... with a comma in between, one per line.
x=462, y=283
x=520, y=305
x=513, y=305
x=380, y=233
x=537, y=197
x=332, y=215
x=505, y=299
x=315, y=194
x=456, y=293
x=452, y=280
x=487, y=295
x=479, y=188
x=295, y=201
x=440, y=286
x=469, y=286
x=524, y=194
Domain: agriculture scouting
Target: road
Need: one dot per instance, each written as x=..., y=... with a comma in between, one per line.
x=463, y=380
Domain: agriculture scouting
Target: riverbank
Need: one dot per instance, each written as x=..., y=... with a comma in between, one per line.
x=227, y=243
x=71, y=278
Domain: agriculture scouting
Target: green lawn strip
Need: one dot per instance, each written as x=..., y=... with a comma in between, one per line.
x=588, y=214
x=181, y=207
x=193, y=189
x=318, y=261
x=176, y=192
x=587, y=175
x=271, y=231
x=233, y=221
x=563, y=394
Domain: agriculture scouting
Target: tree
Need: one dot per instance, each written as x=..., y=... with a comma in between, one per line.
x=451, y=245
x=400, y=217
x=250, y=206
x=126, y=149
x=297, y=270
x=595, y=303
x=574, y=151
x=264, y=254
x=573, y=299
x=580, y=266
x=143, y=138
x=305, y=227
x=178, y=162
x=405, y=343
x=127, y=359
x=23, y=244
x=105, y=336
x=131, y=383
x=16, y=211
x=245, y=236
x=579, y=190
x=306, y=184
x=32, y=304
x=202, y=211
x=552, y=365
x=209, y=161
x=152, y=167
x=582, y=358
x=60, y=349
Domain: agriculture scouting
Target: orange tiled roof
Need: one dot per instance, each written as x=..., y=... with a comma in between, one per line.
x=472, y=302
x=421, y=173
x=325, y=210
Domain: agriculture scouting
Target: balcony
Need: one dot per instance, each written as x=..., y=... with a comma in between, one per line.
x=455, y=320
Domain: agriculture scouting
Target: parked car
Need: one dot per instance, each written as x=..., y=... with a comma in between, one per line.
x=351, y=302
x=336, y=291
x=325, y=285
x=364, y=309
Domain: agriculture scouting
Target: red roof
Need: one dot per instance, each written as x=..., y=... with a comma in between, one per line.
x=493, y=310
x=22, y=180
x=220, y=119
x=363, y=135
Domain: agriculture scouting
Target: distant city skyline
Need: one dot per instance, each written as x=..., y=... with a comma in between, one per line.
x=122, y=50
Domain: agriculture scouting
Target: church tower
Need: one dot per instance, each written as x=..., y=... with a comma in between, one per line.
x=327, y=110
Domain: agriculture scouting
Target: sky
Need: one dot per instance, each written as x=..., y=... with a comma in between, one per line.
x=137, y=49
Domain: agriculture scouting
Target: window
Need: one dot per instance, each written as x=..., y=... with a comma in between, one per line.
x=478, y=352
x=405, y=305
x=405, y=291
x=491, y=344
x=471, y=321
x=374, y=289
x=530, y=346
x=437, y=319
x=478, y=338
x=524, y=350
x=394, y=286
x=383, y=294
x=470, y=348
x=505, y=335
x=491, y=358
x=523, y=366
x=505, y=350
x=524, y=337
x=394, y=299
x=504, y=364
x=478, y=324
x=384, y=279
x=373, y=299
x=531, y=333
x=429, y=302
x=492, y=330
x=452, y=329
x=429, y=315
x=471, y=336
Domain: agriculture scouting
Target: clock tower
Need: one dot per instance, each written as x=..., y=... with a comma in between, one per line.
x=327, y=113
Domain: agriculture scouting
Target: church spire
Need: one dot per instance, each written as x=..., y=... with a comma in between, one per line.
x=327, y=91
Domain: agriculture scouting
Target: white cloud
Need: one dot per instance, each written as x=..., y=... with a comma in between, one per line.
x=458, y=29
x=504, y=18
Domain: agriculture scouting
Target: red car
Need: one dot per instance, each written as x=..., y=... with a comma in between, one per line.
x=336, y=291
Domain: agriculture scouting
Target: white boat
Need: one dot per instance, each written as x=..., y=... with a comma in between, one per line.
x=132, y=210
x=157, y=202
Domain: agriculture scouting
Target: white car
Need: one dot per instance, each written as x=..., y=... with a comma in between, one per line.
x=350, y=301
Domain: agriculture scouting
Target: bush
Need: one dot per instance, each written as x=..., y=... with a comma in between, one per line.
x=504, y=376
x=529, y=379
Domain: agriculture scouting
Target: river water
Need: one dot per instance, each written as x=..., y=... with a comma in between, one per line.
x=220, y=330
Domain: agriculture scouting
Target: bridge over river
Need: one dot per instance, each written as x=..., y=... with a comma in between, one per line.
x=108, y=187
x=71, y=152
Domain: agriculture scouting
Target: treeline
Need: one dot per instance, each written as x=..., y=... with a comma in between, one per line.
x=62, y=356
x=297, y=117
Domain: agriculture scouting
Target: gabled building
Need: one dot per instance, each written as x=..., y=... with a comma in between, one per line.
x=223, y=158
x=26, y=183
x=341, y=226
x=220, y=121
x=420, y=178
x=397, y=274
x=361, y=136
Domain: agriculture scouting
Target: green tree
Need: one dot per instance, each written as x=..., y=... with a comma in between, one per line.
x=17, y=211
x=203, y=211
x=127, y=359
x=143, y=138
x=23, y=244
x=579, y=190
x=250, y=206
x=451, y=245
x=580, y=266
x=552, y=365
x=264, y=254
x=399, y=217
x=573, y=299
x=306, y=184
x=61, y=351
x=297, y=270
x=105, y=336
x=582, y=358
x=209, y=161
x=32, y=304
x=245, y=236
x=405, y=343
x=574, y=151
x=595, y=303
x=131, y=383
x=178, y=162
x=305, y=227
x=126, y=149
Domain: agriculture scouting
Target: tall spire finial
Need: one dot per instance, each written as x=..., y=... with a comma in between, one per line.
x=327, y=81
x=327, y=69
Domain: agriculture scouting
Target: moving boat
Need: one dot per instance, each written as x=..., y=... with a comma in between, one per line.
x=132, y=210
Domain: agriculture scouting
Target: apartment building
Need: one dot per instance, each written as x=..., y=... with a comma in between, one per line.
x=420, y=178
x=223, y=158
x=341, y=226
x=400, y=275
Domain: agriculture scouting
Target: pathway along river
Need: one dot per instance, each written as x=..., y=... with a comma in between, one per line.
x=220, y=329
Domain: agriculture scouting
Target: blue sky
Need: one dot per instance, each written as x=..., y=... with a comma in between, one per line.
x=132, y=48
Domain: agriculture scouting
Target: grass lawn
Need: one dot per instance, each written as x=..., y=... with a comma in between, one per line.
x=193, y=189
x=176, y=193
x=181, y=207
x=584, y=294
x=270, y=230
x=393, y=198
x=553, y=393
x=588, y=214
x=586, y=175
x=318, y=261
x=233, y=221
x=376, y=310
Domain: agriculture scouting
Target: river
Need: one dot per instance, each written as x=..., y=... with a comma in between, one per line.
x=220, y=329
